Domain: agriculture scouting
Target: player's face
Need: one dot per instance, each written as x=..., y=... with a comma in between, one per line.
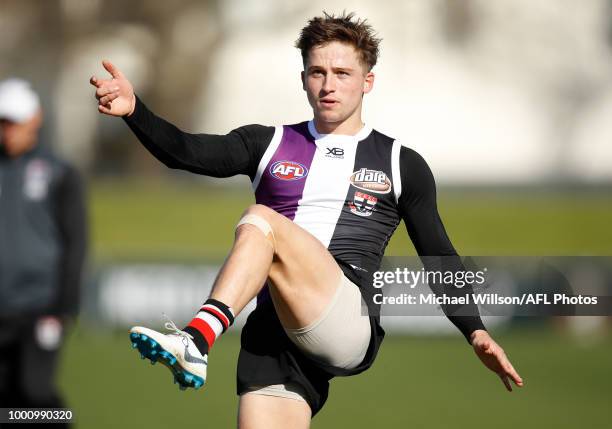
x=335, y=80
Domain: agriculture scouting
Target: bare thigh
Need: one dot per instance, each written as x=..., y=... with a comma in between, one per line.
x=303, y=274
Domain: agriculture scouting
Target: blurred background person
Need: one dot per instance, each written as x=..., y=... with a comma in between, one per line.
x=42, y=250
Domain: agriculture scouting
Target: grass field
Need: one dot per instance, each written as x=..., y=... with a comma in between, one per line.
x=159, y=220
x=416, y=382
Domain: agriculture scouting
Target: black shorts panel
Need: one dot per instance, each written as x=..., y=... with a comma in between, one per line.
x=268, y=356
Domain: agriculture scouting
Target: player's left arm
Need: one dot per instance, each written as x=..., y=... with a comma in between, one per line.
x=493, y=357
x=418, y=208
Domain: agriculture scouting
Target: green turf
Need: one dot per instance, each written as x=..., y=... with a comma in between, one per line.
x=416, y=382
x=163, y=220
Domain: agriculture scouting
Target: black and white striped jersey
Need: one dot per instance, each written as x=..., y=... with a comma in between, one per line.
x=350, y=192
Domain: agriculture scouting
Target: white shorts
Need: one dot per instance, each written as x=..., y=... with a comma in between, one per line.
x=340, y=338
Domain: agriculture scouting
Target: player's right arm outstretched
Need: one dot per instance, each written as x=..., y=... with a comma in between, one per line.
x=238, y=152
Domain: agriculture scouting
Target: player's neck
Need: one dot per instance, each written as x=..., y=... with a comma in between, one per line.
x=348, y=127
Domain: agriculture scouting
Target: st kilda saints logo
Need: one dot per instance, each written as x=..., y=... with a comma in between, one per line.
x=362, y=204
x=288, y=170
x=371, y=180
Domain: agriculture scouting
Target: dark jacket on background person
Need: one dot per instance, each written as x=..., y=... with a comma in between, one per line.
x=42, y=235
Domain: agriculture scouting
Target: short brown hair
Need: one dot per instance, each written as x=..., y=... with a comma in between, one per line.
x=344, y=28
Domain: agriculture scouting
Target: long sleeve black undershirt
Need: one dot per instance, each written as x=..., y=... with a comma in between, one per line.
x=213, y=155
x=419, y=211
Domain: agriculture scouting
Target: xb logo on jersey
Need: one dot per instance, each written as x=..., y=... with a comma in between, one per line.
x=334, y=152
x=288, y=170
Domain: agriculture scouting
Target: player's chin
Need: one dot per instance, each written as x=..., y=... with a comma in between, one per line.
x=330, y=116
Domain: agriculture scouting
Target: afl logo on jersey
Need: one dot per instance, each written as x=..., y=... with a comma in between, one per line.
x=371, y=180
x=288, y=170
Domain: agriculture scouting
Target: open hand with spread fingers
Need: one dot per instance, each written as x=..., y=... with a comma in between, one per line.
x=494, y=358
x=116, y=95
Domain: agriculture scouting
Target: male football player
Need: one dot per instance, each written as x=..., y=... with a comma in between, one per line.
x=329, y=192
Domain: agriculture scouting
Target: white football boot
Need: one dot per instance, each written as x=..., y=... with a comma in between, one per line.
x=176, y=350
